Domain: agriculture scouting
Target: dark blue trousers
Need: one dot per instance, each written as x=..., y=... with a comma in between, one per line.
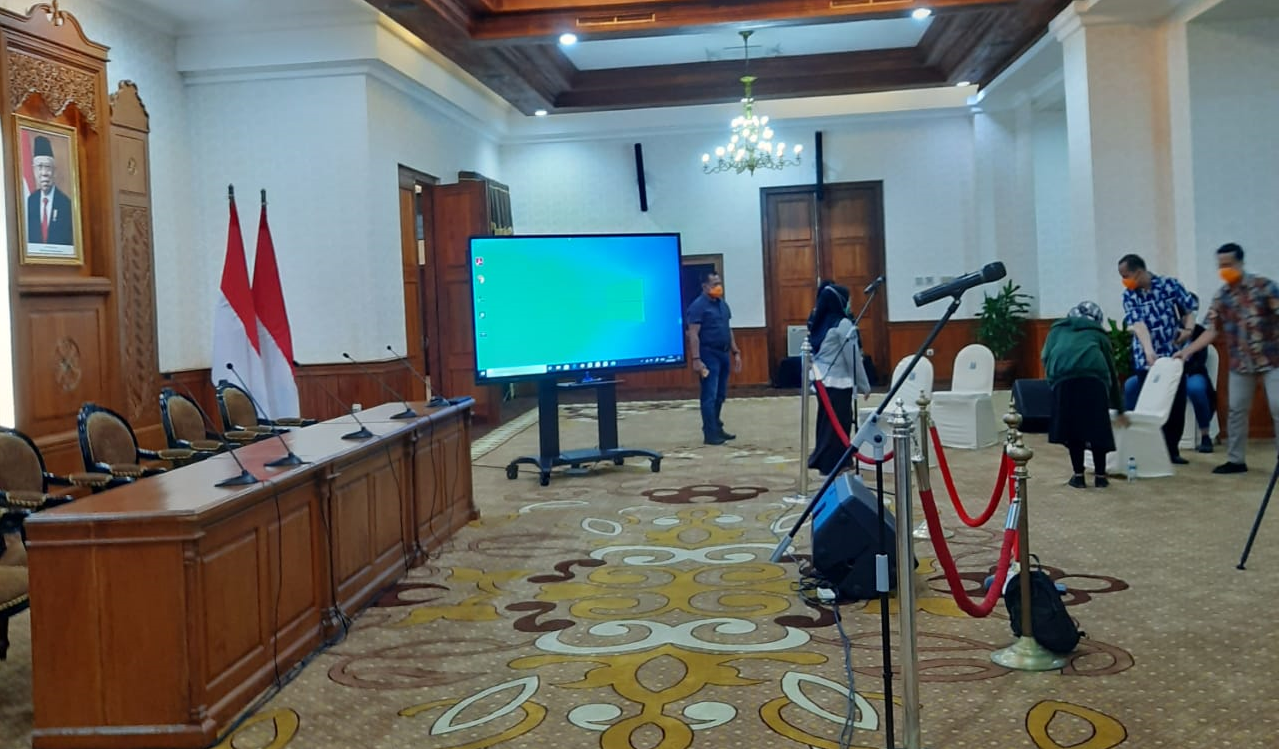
x=714, y=391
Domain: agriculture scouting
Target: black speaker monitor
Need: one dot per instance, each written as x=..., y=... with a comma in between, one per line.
x=1033, y=399
x=846, y=539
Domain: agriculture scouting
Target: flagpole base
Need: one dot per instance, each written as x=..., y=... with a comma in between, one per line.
x=1028, y=655
x=360, y=434
x=921, y=532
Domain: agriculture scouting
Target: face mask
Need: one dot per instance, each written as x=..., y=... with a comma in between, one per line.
x=1231, y=276
x=716, y=291
x=1130, y=284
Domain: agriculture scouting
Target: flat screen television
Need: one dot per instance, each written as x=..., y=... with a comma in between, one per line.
x=575, y=306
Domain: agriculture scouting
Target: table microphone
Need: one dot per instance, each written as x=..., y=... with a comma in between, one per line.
x=245, y=478
x=408, y=412
x=363, y=432
x=433, y=399
x=289, y=458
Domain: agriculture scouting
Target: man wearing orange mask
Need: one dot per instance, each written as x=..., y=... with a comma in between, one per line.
x=710, y=338
x=1246, y=312
x=1161, y=313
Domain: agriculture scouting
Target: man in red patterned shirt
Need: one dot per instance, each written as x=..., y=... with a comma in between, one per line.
x=1246, y=312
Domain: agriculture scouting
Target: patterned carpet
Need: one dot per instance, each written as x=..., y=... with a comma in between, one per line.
x=623, y=609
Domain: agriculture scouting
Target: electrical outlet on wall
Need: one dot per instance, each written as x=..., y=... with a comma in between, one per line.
x=928, y=353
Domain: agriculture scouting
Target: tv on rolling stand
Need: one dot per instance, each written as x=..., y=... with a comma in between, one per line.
x=576, y=307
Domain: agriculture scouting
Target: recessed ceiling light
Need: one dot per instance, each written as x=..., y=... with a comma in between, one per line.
x=540, y=113
x=568, y=39
x=920, y=14
x=961, y=84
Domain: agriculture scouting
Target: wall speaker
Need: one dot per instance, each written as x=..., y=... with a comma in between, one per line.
x=639, y=177
x=817, y=157
x=846, y=539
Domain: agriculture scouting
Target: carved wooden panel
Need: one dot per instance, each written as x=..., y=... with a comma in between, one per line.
x=64, y=363
x=137, y=335
x=59, y=85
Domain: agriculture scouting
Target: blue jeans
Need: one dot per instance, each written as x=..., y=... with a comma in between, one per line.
x=714, y=391
x=1197, y=393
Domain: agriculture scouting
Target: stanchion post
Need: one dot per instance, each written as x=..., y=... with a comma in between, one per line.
x=925, y=456
x=903, y=496
x=1026, y=654
x=806, y=365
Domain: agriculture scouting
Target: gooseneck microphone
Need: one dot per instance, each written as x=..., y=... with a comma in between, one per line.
x=433, y=399
x=408, y=412
x=289, y=458
x=363, y=432
x=874, y=285
x=245, y=478
x=955, y=287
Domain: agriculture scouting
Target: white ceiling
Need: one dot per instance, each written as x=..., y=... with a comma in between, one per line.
x=190, y=16
x=1239, y=10
x=773, y=41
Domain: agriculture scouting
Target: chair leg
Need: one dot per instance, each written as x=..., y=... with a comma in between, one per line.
x=4, y=636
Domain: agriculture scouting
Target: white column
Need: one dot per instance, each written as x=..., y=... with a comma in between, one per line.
x=1118, y=145
x=1005, y=197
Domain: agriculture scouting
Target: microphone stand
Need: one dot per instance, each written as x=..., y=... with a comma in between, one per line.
x=408, y=412
x=245, y=478
x=870, y=431
x=857, y=331
x=289, y=458
x=363, y=432
x=431, y=398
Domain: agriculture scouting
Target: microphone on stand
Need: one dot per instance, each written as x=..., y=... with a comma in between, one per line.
x=363, y=432
x=870, y=292
x=289, y=458
x=408, y=412
x=431, y=397
x=955, y=287
x=245, y=478
x=874, y=285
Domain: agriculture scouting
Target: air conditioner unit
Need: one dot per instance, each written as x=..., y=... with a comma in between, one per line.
x=795, y=335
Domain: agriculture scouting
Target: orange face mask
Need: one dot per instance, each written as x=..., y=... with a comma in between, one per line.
x=1231, y=276
x=1130, y=284
x=716, y=292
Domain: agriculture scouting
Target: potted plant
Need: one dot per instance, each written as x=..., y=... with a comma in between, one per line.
x=1121, y=348
x=1001, y=326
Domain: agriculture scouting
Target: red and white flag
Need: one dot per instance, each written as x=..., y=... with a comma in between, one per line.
x=279, y=394
x=235, y=326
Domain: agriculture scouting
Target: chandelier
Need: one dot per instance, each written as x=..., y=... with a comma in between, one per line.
x=750, y=146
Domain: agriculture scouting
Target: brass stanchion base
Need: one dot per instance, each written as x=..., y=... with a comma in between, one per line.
x=921, y=532
x=796, y=499
x=1027, y=655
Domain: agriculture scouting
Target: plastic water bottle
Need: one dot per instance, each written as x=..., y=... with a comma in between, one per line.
x=1132, y=468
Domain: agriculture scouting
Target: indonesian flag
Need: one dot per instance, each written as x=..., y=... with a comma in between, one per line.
x=280, y=391
x=235, y=326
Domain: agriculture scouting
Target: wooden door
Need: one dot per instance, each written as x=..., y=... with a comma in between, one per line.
x=839, y=237
x=414, y=200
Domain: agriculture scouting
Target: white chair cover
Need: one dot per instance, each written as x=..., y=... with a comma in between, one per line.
x=919, y=382
x=1190, y=437
x=1142, y=439
x=965, y=414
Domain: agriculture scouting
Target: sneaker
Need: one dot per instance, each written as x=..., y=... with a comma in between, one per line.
x=1205, y=445
x=1229, y=467
x=726, y=435
x=1077, y=481
x=1100, y=481
x=1178, y=460
x=716, y=440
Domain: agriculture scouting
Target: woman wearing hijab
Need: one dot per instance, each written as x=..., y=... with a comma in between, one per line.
x=837, y=361
x=1081, y=370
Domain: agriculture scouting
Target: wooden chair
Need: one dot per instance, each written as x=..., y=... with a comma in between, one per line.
x=24, y=482
x=108, y=444
x=185, y=425
x=239, y=414
x=14, y=584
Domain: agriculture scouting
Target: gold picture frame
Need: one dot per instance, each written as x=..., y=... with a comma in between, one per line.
x=47, y=181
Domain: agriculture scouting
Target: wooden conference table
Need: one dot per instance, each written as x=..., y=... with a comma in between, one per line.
x=161, y=609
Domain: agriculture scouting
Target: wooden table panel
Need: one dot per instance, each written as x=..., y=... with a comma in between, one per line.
x=161, y=609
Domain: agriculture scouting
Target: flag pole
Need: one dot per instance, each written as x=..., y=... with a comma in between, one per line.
x=264, y=198
x=230, y=192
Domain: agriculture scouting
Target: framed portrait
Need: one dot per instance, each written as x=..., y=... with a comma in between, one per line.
x=48, y=190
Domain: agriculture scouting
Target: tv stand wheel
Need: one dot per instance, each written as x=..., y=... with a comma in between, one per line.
x=655, y=465
x=512, y=471
x=618, y=461
x=545, y=478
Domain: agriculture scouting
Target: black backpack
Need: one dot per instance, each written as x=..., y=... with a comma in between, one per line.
x=1054, y=629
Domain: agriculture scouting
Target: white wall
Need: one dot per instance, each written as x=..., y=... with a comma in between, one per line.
x=1234, y=80
x=926, y=165
x=1052, y=215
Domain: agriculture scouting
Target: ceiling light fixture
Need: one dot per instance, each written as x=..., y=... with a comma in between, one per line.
x=540, y=113
x=920, y=14
x=751, y=145
x=568, y=39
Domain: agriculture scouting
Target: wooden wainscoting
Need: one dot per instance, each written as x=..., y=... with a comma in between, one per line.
x=904, y=339
x=754, y=345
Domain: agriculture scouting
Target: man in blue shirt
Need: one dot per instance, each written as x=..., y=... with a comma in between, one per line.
x=1161, y=313
x=710, y=338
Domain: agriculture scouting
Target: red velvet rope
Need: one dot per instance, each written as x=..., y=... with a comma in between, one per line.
x=1004, y=474
x=824, y=397
x=964, y=601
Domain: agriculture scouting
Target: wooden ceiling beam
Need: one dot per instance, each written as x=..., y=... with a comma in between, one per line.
x=545, y=21
x=977, y=47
